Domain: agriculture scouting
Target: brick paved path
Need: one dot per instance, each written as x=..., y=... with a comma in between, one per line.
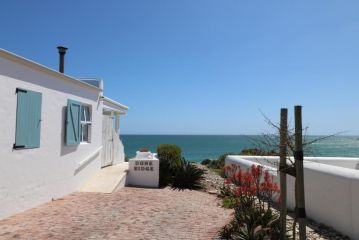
x=131, y=213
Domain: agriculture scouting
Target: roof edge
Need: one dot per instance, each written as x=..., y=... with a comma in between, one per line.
x=29, y=63
x=118, y=105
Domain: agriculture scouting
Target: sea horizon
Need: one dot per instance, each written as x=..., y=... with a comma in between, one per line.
x=200, y=147
x=176, y=134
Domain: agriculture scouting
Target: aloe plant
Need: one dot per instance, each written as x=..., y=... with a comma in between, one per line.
x=187, y=176
x=254, y=219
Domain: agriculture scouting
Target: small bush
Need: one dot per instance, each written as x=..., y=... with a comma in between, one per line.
x=170, y=153
x=170, y=158
x=187, y=176
x=229, y=202
x=258, y=152
x=218, y=171
x=206, y=161
x=213, y=164
x=221, y=159
x=220, y=162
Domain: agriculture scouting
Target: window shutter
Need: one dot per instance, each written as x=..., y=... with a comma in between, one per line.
x=28, y=119
x=73, y=122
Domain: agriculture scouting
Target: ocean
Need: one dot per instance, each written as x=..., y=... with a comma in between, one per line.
x=199, y=147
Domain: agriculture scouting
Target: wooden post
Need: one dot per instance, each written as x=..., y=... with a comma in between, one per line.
x=298, y=155
x=282, y=168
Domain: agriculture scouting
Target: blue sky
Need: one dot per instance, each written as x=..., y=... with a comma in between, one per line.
x=202, y=66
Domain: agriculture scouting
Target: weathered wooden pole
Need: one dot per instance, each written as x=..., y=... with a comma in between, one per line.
x=282, y=168
x=298, y=155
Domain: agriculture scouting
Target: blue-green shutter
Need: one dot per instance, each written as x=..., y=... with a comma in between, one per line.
x=73, y=122
x=28, y=119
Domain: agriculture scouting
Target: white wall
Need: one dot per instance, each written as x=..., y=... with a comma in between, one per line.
x=331, y=192
x=30, y=177
x=351, y=163
x=120, y=147
x=119, y=151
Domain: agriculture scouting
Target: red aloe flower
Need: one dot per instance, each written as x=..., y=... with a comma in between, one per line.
x=247, y=179
x=238, y=191
x=275, y=188
x=256, y=171
x=253, y=169
x=267, y=176
x=253, y=190
x=239, y=177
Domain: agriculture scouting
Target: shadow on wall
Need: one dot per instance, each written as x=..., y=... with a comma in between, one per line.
x=65, y=149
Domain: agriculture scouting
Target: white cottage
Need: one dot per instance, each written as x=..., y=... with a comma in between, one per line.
x=56, y=132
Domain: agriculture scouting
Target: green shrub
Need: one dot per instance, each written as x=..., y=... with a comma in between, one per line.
x=170, y=158
x=219, y=163
x=221, y=159
x=206, y=161
x=187, y=176
x=258, y=152
x=229, y=202
x=170, y=153
x=219, y=171
x=213, y=164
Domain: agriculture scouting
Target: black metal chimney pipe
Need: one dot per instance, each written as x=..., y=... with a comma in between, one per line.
x=62, y=52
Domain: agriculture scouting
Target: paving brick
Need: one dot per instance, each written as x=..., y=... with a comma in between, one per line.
x=131, y=213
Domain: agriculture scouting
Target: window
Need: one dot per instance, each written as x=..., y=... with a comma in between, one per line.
x=28, y=119
x=78, y=123
x=85, y=134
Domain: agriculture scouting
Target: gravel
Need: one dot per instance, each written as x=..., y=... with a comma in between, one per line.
x=212, y=181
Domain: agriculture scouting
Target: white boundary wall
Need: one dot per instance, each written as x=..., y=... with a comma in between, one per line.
x=331, y=191
x=30, y=177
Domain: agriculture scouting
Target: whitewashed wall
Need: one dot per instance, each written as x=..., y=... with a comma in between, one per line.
x=331, y=189
x=30, y=177
x=116, y=110
x=119, y=149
